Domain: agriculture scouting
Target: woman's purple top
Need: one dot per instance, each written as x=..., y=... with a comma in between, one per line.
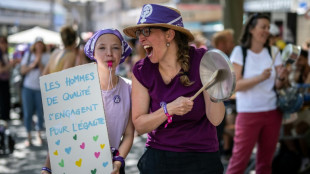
x=191, y=132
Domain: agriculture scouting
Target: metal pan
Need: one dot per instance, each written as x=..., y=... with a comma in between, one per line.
x=290, y=54
x=225, y=84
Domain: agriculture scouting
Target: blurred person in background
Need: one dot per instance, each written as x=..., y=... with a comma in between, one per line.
x=199, y=41
x=301, y=126
x=5, y=67
x=275, y=38
x=32, y=66
x=258, y=120
x=139, y=54
x=63, y=58
x=80, y=55
x=81, y=58
x=224, y=41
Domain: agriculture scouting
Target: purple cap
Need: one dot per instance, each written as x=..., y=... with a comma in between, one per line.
x=89, y=48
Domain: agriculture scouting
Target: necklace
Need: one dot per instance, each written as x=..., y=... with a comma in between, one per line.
x=167, y=78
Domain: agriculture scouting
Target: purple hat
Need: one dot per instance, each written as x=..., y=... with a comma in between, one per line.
x=161, y=16
x=89, y=48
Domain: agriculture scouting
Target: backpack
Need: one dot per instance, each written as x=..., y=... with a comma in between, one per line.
x=244, y=53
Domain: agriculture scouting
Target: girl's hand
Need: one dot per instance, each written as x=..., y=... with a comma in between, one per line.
x=116, y=167
x=180, y=106
x=44, y=172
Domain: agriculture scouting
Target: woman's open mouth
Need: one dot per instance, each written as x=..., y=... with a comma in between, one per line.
x=149, y=50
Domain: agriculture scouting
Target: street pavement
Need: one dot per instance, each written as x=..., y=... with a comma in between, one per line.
x=30, y=160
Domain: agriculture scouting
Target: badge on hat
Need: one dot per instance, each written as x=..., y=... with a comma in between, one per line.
x=146, y=12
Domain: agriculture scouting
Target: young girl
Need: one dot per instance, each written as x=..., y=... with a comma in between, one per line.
x=108, y=48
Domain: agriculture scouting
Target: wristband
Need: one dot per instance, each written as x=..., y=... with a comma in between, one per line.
x=119, y=158
x=114, y=151
x=47, y=169
x=169, y=117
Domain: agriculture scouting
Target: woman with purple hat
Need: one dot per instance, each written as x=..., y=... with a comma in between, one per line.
x=181, y=133
x=109, y=49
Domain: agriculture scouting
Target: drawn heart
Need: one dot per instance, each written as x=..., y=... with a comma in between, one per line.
x=57, y=142
x=56, y=153
x=102, y=146
x=75, y=137
x=79, y=162
x=95, y=138
x=62, y=163
x=68, y=150
x=105, y=164
x=82, y=146
x=93, y=171
x=97, y=154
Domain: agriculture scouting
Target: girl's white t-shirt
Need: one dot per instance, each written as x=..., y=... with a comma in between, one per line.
x=261, y=97
x=117, y=106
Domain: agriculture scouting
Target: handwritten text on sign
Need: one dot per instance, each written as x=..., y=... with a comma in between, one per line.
x=75, y=123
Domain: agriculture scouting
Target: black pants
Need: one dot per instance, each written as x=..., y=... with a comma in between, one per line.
x=5, y=98
x=155, y=161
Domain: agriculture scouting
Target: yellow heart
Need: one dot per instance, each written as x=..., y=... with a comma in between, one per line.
x=56, y=152
x=102, y=146
x=78, y=163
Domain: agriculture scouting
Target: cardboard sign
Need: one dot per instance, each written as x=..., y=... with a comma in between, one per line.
x=75, y=122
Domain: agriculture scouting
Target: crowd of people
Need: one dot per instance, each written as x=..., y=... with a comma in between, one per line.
x=155, y=71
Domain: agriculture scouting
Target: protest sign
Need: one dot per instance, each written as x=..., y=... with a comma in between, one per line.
x=75, y=122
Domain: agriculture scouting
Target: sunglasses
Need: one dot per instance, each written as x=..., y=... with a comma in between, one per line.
x=146, y=31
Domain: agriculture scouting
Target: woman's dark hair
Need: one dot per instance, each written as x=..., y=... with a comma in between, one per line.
x=68, y=35
x=4, y=39
x=246, y=36
x=182, y=54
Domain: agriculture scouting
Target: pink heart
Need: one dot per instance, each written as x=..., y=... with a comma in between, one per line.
x=97, y=154
x=82, y=146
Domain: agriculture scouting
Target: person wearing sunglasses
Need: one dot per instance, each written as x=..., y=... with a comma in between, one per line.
x=257, y=75
x=181, y=133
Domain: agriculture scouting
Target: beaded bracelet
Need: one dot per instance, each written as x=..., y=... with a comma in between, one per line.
x=169, y=117
x=47, y=169
x=119, y=158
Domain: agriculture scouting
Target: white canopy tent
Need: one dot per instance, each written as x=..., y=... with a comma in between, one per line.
x=28, y=36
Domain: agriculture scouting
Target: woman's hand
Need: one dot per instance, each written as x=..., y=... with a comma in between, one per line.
x=266, y=74
x=282, y=72
x=180, y=106
x=116, y=167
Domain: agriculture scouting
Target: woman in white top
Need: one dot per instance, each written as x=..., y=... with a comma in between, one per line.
x=258, y=120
